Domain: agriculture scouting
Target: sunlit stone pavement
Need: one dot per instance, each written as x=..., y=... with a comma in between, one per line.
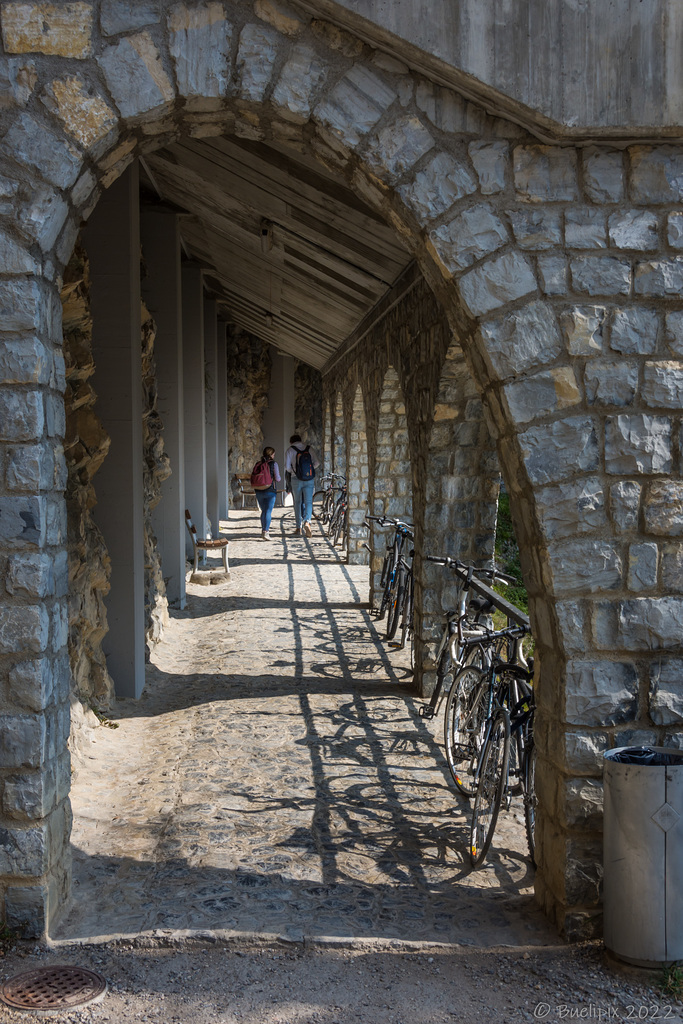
x=275, y=778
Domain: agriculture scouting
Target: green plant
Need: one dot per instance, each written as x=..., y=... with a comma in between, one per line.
x=671, y=981
x=507, y=556
x=101, y=717
x=9, y=937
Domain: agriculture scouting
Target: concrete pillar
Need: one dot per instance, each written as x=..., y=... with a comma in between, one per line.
x=278, y=418
x=193, y=398
x=162, y=291
x=210, y=409
x=112, y=240
x=222, y=418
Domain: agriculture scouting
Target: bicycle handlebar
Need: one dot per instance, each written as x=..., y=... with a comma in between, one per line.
x=453, y=563
x=387, y=521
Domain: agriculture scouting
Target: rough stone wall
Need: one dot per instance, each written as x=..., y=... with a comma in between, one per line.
x=85, y=446
x=155, y=469
x=358, y=483
x=308, y=404
x=249, y=367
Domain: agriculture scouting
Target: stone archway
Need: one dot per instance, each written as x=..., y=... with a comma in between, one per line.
x=558, y=268
x=339, y=437
x=327, y=439
x=358, y=482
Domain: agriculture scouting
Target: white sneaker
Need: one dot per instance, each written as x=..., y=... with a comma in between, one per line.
x=266, y=535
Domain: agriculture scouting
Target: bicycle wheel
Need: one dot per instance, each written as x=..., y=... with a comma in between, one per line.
x=464, y=725
x=407, y=618
x=339, y=533
x=529, y=777
x=385, y=582
x=492, y=779
x=318, y=505
x=396, y=605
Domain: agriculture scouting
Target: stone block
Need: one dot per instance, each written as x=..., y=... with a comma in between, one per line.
x=21, y=415
x=536, y=229
x=610, y=383
x=663, y=384
x=571, y=508
x=663, y=508
x=637, y=443
x=84, y=114
x=491, y=160
x=199, y=41
x=522, y=340
x=135, y=75
x=545, y=392
x=625, y=504
x=659, y=278
x=603, y=175
x=299, y=83
x=31, y=684
x=572, y=625
x=600, y=275
x=656, y=174
x=666, y=692
x=26, y=908
x=60, y=30
x=55, y=415
x=127, y=15
x=22, y=521
x=31, y=574
x=17, y=81
x=545, y=174
x=583, y=329
x=582, y=803
x=43, y=216
x=674, y=230
x=674, y=332
x=24, y=361
x=22, y=741
x=642, y=566
x=23, y=852
x=583, y=751
x=398, y=146
x=355, y=105
x=600, y=693
x=29, y=796
x=634, y=331
x=31, y=143
x=280, y=16
x=493, y=284
x=584, y=228
x=553, y=274
x=30, y=468
x=634, y=229
x=468, y=237
x=553, y=451
x=672, y=568
x=433, y=190
x=584, y=565
x=638, y=624
x=15, y=258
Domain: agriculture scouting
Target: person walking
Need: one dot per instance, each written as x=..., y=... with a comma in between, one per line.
x=301, y=463
x=266, y=493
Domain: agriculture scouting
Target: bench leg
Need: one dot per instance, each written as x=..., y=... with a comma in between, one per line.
x=225, y=559
x=196, y=559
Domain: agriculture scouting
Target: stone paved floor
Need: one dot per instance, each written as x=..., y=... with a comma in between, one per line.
x=275, y=778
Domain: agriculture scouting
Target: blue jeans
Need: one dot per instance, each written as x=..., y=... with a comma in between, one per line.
x=302, y=492
x=266, y=501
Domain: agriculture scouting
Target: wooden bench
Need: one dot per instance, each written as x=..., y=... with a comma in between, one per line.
x=199, y=544
x=243, y=481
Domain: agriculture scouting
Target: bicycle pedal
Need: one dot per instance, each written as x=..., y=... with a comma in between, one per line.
x=395, y=645
x=427, y=712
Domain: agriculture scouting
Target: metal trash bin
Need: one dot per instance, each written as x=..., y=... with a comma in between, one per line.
x=643, y=854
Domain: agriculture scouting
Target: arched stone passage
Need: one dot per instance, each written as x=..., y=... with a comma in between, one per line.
x=463, y=480
x=358, y=482
x=339, y=437
x=392, y=484
x=559, y=270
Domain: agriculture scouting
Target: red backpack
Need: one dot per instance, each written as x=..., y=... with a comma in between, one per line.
x=261, y=474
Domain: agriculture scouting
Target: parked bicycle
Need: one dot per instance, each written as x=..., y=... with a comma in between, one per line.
x=396, y=578
x=325, y=498
x=337, y=529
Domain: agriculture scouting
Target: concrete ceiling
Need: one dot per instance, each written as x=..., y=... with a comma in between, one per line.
x=292, y=255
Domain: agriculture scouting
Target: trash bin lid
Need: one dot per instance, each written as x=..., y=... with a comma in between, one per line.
x=657, y=757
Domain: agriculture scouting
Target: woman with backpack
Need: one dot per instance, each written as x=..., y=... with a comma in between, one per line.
x=264, y=476
x=301, y=464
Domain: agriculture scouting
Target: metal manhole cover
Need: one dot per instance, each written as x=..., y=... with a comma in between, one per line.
x=52, y=989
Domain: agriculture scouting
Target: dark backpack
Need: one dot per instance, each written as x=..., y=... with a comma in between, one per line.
x=261, y=474
x=304, y=468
